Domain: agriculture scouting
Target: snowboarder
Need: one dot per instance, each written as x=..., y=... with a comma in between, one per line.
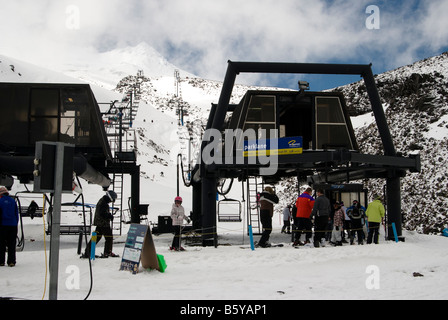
x=9, y=219
x=102, y=221
x=178, y=216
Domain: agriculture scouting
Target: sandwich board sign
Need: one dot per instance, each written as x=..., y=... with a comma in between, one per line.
x=140, y=247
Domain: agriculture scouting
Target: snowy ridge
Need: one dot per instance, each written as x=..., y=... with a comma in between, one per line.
x=12, y=70
x=108, y=68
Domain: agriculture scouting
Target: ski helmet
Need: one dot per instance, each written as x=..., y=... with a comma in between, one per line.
x=112, y=195
x=178, y=199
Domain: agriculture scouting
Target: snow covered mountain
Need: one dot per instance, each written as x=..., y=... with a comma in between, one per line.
x=414, y=96
x=108, y=68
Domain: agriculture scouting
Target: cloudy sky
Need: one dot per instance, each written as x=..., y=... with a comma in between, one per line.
x=199, y=36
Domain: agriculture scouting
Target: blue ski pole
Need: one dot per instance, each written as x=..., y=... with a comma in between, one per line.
x=93, y=246
x=251, y=237
x=395, y=231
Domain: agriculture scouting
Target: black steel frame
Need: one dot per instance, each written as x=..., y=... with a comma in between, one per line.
x=331, y=166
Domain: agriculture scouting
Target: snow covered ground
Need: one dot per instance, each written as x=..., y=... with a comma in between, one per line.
x=228, y=272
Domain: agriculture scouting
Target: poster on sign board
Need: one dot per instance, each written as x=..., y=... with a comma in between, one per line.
x=139, y=247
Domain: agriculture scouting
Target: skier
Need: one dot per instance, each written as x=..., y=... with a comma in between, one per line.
x=304, y=204
x=102, y=221
x=178, y=216
x=286, y=220
x=267, y=201
x=321, y=214
x=338, y=225
x=375, y=215
x=9, y=219
x=357, y=214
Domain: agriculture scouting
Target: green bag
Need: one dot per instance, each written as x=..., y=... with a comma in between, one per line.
x=162, y=263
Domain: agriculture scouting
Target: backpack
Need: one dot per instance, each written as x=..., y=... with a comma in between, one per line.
x=356, y=213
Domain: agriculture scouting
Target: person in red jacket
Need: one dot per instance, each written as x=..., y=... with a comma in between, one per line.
x=304, y=204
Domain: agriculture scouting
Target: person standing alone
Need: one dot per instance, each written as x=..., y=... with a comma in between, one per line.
x=102, y=221
x=267, y=201
x=178, y=216
x=375, y=216
x=9, y=219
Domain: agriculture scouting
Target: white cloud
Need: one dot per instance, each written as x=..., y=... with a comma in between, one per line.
x=201, y=35
x=434, y=26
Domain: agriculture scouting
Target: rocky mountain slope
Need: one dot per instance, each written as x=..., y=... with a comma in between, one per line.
x=416, y=103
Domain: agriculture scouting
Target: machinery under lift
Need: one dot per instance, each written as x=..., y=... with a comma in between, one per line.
x=314, y=137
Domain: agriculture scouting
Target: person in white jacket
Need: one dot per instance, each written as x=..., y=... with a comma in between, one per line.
x=177, y=216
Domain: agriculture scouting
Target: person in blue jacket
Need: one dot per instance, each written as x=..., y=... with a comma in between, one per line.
x=357, y=215
x=9, y=219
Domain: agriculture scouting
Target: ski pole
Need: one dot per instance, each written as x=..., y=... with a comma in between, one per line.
x=394, y=228
x=93, y=246
x=251, y=237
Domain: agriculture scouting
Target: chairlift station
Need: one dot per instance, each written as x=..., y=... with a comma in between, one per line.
x=316, y=123
x=330, y=154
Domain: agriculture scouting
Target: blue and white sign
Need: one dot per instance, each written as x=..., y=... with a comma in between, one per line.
x=262, y=147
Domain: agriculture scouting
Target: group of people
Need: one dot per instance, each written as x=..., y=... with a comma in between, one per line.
x=332, y=222
x=307, y=212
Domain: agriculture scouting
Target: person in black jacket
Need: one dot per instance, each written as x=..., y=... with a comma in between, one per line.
x=267, y=201
x=321, y=214
x=357, y=215
x=102, y=221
